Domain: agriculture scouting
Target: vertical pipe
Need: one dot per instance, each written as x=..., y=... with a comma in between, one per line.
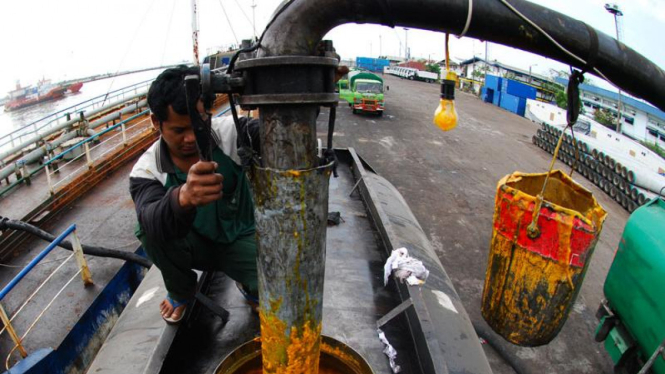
x=48, y=180
x=87, y=154
x=124, y=134
x=291, y=199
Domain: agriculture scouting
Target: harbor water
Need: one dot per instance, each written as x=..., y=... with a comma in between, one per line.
x=12, y=121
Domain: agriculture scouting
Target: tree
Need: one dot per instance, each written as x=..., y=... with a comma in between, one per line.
x=434, y=68
x=561, y=99
x=654, y=147
x=605, y=118
x=479, y=75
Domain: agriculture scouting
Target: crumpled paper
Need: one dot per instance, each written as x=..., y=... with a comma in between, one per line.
x=389, y=351
x=405, y=267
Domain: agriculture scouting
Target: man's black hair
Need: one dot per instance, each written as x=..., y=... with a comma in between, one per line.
x=169, y=89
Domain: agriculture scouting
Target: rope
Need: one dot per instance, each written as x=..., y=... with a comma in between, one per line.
x=32, y=295
x=577, y=77
x=577, y=152
x=244, y=14
x=168, y=29
x=468, y=20
x=229, y=21
x=39, y=317
x=447, y=53
x=131, y=43
x=593, y=37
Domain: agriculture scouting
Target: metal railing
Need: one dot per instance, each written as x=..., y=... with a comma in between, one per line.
x=82, y=269
x=88, y=151
x=63, y=115
x=123, y=127
x=91, y=153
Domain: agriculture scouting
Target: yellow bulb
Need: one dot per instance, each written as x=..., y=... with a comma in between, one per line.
x=446, y=116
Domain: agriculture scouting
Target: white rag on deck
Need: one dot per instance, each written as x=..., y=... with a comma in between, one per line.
x=405, y=267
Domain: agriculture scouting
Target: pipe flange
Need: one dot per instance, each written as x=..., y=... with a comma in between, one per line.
x=285, y=60
x=288, y=80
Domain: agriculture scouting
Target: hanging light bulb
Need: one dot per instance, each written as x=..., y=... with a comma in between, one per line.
x=445, y=116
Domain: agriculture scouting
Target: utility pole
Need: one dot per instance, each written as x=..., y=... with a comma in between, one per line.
x=614, y=10
x=530, y=76
x=406, y=44
x=380, y=45
x=254, y=17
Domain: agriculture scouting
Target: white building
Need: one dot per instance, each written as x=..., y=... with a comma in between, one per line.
x=639, y=121
x=482, y=67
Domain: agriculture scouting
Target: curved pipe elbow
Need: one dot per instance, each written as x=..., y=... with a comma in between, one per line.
x=301, y=24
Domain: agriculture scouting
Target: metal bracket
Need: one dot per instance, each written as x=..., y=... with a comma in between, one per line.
x=394, y=313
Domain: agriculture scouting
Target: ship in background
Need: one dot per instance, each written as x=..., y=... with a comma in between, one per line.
x=23, y=97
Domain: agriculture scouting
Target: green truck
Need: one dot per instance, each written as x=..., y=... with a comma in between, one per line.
x=632, y=316
x=363, y=91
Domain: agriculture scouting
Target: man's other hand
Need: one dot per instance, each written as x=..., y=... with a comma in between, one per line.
x=340, y=72
x=203, y=185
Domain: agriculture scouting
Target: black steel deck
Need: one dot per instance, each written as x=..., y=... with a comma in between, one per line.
x=431, y=336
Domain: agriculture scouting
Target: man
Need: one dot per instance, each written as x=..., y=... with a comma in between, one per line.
x=193, y=214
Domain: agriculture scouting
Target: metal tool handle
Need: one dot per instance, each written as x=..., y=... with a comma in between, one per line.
x=202, y=127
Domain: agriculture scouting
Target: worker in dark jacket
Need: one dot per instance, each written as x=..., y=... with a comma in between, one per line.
x=193, y=214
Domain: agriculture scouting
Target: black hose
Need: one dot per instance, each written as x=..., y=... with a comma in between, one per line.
x=6, y=223
x=497, y=343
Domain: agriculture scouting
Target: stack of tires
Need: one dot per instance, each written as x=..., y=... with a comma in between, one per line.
x=601, y=169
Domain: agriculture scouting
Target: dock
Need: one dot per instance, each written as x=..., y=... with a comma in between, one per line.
x=448, y=180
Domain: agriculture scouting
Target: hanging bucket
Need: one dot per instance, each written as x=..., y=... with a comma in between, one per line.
x=535, y=272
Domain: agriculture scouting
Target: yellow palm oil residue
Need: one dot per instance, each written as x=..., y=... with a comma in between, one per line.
x=297, y=353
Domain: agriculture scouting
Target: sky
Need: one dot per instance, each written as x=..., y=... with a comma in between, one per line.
x=67, y=39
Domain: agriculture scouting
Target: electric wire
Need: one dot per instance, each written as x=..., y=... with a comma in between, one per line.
x=40, y=316
x=131, y=42
x=229, y=22
x=168, y=29
x=468, y=20
x=244, y=14
x=41, y=285
x=548, y=36
x=258, y=43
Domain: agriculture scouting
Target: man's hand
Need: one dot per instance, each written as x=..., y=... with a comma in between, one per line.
x=203, y=185
x=341, y=71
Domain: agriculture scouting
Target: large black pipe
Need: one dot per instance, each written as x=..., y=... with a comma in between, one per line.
x=303, y=23
x=289, y=189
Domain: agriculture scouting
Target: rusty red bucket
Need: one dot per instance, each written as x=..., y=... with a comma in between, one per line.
x=533, y=278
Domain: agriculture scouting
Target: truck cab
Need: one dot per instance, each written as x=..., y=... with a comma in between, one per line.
x=364, y=93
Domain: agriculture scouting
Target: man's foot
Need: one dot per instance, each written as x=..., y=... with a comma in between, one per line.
x=172, y=311
x=252, y=301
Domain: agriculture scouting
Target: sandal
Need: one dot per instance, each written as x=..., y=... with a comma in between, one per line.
x=175, y=305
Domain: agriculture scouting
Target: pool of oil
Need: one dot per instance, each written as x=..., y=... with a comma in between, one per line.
x=336, y=358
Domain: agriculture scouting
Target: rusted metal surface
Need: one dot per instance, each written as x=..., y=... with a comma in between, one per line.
x=289, y=139
x=531, y=283
x=291, y=215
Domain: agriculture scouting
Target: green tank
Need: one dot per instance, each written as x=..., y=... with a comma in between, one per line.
x=633, y=314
